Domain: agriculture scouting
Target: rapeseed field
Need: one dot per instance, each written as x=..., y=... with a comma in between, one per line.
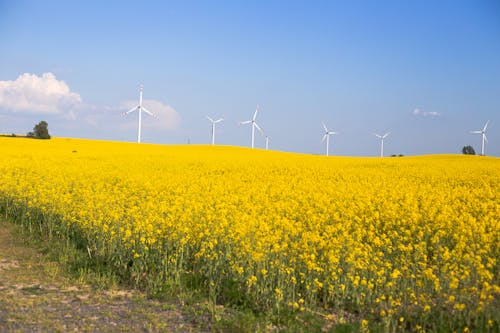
x=393, y=244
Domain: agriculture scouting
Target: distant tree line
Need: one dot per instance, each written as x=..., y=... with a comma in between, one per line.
x=468, y=150
x=40, y=131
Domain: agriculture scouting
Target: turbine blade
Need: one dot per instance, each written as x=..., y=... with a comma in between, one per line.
x=255, y=114
x=324, y=126
x=486, y=125
x=324, y=137
x=131, y=110
x=258, y=127
x=154, y=115
x=377, y=135
x=210, y=119
x=219, y=120
x=476, y=132
x=485, y=138
x=386, y=134
x=245, y=122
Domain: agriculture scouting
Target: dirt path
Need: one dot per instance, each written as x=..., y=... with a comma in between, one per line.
x=36, y=296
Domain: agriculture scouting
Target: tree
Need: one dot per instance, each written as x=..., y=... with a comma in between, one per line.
x=40, y=131
x=468, y=150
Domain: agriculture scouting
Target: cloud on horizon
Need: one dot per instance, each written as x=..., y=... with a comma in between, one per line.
x=45, y=95
x=417, y=112
x=34, y=94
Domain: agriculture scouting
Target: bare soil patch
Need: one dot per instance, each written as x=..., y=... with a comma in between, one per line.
x=37, y=296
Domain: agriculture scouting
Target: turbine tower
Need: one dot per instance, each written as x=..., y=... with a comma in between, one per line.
x=327, y=137
x=267, y=142
x=140, y=108
x=254, y=124
x=213, y=127
x=483, y=133
x=382, y=137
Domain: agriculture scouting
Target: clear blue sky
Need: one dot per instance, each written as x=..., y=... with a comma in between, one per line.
x=429, y=71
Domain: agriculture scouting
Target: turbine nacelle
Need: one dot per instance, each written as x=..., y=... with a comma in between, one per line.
x=213, y=127
x=215, y=121
x=254, y=125
x=326, y=136
x=140, y=108
x=483, y=133
x=382, y=137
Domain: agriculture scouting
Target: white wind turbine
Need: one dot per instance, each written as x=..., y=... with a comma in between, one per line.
x=382, y=137
x=483, y=133
x=327, y=137
x=213, y=127
x=254, y=124
x=140, y=108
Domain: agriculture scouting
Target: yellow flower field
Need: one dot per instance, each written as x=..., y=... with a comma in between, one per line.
x=402, y=243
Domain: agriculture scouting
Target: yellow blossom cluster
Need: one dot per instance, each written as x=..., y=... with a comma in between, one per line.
x=411, y=238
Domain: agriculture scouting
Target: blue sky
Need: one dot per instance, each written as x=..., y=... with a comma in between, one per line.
x=429, y=71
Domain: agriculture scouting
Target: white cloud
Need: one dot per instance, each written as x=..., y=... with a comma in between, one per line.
x=168, y=118
x=31, y=94
x=34, y=94
x=418, y=112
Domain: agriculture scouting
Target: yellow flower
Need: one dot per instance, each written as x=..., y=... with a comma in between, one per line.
x=291, y=228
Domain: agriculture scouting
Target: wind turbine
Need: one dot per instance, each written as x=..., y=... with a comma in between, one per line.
x=140, y=108
x=483, y=133
x=382, y=137
x=213, y=127
x=254, y=124
x=327, y=137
